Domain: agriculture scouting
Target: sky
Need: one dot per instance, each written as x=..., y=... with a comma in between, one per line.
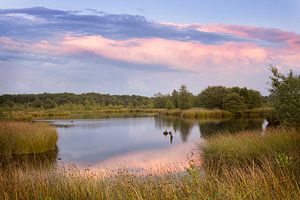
x=144, y=47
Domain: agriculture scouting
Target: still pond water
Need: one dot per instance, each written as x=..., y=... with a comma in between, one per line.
x=139, y=143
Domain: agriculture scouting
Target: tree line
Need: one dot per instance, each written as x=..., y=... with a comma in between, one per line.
x=284, y=98
x=233, y=99
x=50, y=100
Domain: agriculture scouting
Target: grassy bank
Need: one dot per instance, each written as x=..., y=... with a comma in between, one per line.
x=196, y=113
x=242, y=166
x=200, y=113
x=28, y=115
x=70, y=112
x=26, y=138
x=252, y=148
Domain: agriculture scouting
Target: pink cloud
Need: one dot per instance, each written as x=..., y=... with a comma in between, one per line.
x=175, y=54
x=191, y=56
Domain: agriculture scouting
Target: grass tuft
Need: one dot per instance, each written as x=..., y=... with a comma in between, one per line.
x=26, y=138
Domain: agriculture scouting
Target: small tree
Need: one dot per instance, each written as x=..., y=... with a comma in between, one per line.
x=285, y=97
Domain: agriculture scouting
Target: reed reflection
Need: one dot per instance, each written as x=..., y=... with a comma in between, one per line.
x=45, y=160
x=209, y=128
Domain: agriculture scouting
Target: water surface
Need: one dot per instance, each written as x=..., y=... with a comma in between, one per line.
x=139, y=143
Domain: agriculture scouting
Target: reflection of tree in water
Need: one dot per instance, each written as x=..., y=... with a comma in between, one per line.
x=31, y=161
x=177, y=124
x=231, y=126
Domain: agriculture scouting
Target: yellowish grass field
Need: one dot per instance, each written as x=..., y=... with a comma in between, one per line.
x=26, y=138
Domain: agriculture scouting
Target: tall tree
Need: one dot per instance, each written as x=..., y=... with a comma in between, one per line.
x=175, y=98
x=285, y=97
x=185, y=98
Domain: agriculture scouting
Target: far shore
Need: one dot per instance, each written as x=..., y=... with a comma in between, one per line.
x=196, y=113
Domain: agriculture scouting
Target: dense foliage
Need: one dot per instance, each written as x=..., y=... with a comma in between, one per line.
x=233, y=99
x=48, y=101
x=285, y=97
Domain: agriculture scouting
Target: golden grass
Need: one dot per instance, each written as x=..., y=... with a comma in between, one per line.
x=28, y=115
x=26, y=138
x=197, y=113
x=250, y=146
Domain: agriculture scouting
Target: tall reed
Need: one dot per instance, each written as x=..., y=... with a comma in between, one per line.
x=26, y=138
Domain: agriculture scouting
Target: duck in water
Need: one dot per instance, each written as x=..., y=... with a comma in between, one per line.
x=165, y=133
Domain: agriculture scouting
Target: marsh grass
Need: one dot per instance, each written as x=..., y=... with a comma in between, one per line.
x=67, y=113
x=197, y=113
x=250, y=146
x=249, y=165
x=18, y=138
x=28, y=115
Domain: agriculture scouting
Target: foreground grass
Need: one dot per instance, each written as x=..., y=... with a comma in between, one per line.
x=250, y=146
x=241, y=166
x=26, y=138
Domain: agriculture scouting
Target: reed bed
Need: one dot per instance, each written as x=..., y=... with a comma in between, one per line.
x=26, y=138
x=242, y=166
x=197, y=113
x=250, y=146
x=28, y=115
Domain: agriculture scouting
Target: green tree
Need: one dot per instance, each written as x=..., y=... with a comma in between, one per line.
x=159, y=100
x=234, y=103
x=285, y=97
x=253, y=98
x=212, y=97
x=185, y=98
x=48, y=104
x=175, y=98
x=169, y=104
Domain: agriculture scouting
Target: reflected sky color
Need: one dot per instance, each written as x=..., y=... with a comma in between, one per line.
x=138, y=144
x=67, y=47
x=92, y=141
